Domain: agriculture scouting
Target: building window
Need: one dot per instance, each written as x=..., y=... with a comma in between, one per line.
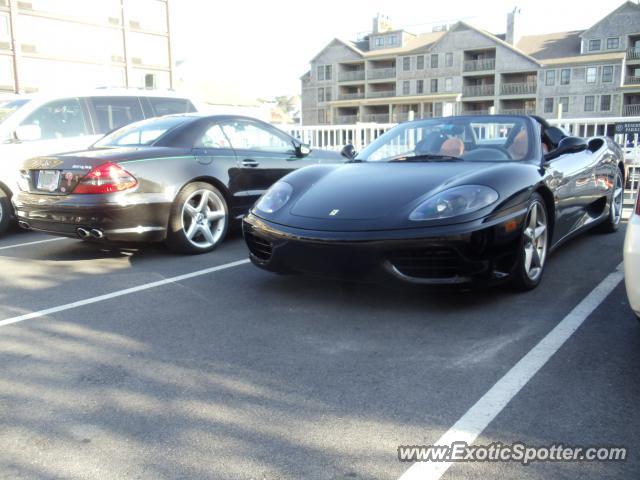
x=321, y=117
x=437, y=109
x=327, y=94
x=434, y=85
x=592, y=74
x=605, y=103
x=594, y=45
x=607, y=74
x=448, y=84
x=613, y=43
x=434, y=60
x=565, y=76
x=321, y=94
x=550, y=77
x=379, y=42
x=548, y=105
x=420, y=62
x=392, y=40
x=589, y=103
x=419, y=86
x=406, y=64
x=406, y=87
x=327, y=72
x=563, y=104
x=320, y=72
x=448, y=59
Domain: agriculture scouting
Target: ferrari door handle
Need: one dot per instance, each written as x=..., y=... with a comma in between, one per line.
x=250, y=163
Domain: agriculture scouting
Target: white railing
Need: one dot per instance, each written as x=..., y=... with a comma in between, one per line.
x=351, y=75
x=525, y=88
x=334, y=137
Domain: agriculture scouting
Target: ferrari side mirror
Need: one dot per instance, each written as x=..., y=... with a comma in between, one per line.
x=348, y=151
x=567, y=145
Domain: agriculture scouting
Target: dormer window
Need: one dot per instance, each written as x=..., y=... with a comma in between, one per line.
x=595, y=45
x=613, y=43
x=379, y=42
x=392, y=40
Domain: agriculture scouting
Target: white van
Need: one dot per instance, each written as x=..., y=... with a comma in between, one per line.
x=42, y=124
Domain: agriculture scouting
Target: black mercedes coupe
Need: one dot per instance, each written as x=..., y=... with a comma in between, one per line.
x=179, y=179
x=456, y=200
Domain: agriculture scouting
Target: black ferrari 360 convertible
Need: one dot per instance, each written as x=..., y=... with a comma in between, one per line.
x=441, y=201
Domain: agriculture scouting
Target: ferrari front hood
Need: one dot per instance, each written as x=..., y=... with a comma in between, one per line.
x=369, y=191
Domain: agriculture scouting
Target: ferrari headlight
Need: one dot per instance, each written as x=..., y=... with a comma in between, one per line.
x=275, y=198
x=454, y=202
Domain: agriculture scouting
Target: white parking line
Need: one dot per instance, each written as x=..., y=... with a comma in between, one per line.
x=32, y=243
x=475, y=420
x=119, y=293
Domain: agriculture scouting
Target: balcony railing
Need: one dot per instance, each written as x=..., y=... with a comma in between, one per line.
x=479, y=65
x=381, y=93
x=632, y=80
x=633, y=54
x=347, y=119
x=632, y=110
x=377, y=73
x=351, y=75
x=376, y=117
x=526, y=88
x=478, y=90
x=518, y=111
x=350, y=96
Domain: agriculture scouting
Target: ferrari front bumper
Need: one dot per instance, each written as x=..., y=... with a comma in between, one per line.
x=481, y=251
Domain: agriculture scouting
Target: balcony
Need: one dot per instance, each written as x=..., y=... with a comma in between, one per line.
x=377, y=73
x=346, y=119
x=518, y=111
x=632, y=80
x=633, y=54
x=528, y=88
x=631, y=110
x=381, y=93
x=487, y=90
x=351, y=76
x=479, y=65
x=350, y=96
x=376, y=117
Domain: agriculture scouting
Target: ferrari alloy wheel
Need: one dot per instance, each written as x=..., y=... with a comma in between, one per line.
x=199, y=219
x=5, y=212
x=614, y=218
x=534, y=245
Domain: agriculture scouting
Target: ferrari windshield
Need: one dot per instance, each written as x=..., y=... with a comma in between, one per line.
x=471, y=138
x=141, y=133
x=9, y=107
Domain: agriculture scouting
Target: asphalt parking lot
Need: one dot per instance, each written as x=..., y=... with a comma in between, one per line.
x=233, y=373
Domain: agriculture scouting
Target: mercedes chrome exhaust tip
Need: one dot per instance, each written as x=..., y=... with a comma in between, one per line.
x=24, y=225
x=83, y=233
x=95, y=233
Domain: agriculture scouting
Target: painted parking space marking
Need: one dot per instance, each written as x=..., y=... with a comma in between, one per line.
x=477, y=418
x=36, y=242
x=120, y=293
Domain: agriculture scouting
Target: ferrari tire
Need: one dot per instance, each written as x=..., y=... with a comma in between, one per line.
x=199, y=219
x=533, y=247
x=616, y=204
x=6, y=212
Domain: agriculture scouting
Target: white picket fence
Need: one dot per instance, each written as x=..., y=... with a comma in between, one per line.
x=334, y=137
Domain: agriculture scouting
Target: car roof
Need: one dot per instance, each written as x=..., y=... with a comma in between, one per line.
x=102, y=92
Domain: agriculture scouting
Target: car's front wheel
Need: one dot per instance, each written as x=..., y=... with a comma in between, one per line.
x=5, y=212
x=533, y=246
x=199, y=219
x=614, y=218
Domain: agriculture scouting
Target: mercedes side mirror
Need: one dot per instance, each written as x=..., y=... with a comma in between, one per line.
x=302, y=149
x=28, y=133
x=348, y=151
x=567, y=145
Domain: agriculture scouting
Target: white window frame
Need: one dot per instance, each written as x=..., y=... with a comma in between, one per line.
x=595, y=77
x=602, y=74
x=594, y=40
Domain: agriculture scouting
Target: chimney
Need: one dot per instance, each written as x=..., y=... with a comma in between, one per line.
x=381, y=24
x=513, y=30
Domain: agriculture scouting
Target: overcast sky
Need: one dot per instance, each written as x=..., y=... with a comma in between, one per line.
x=255, y=48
